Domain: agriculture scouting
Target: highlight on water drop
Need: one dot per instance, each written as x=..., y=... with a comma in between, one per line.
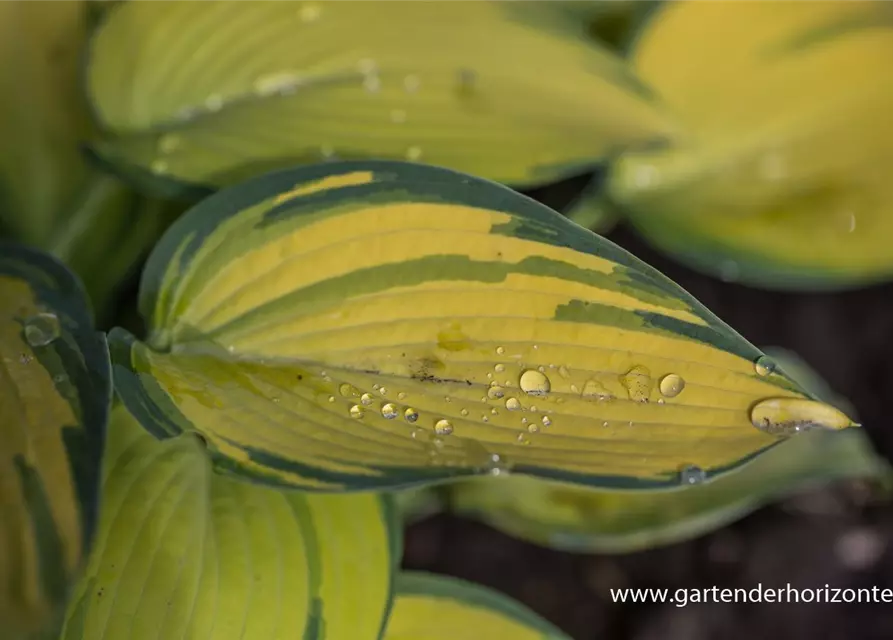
x=389, y=411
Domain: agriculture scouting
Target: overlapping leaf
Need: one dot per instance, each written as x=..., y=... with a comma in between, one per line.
x=183, y=552
x=434, y=607
x=783, y=178
x=380, y=324
x=516, y=92
x=55, y=388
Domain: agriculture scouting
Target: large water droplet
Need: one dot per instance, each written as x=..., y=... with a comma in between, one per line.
x=535, y=383
x=410, y=414
x=691, y=474
x=356, y=411
x=789, y=416
x=764, y=366
x=512, y=404
x=637, y=382
x=671, y=385
x=389, y=411
x=366, y=398
x=41, y=329
x=595, y=390
x=443, y=427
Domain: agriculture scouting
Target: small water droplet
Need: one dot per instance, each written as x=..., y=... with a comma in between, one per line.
x=523, y=439
x=282, y=83
x=366, y=398
x=547, y=421
x=500, y=350
x=533, y=407
x=309, y=12
x=214, y=102
x=660, y=401
x=331, y=398
x=495, y=392
x=413, y=153
x=534, y=383
x=605, y=423
x=594, y=390
x=637, y=382
x=499, y=368
x=443, y=427
x=484, y=418
x=401, y=396
x=327, y=151
x=533, y=428
x=276, y=400
x=60, y=378
x=464, y=412
x=356, y=411
x=411, y=83
x=575, y=389
x=790, y=416
x=410, y=414
x=447, y=399
x=389, y=411
x=398, y=116
x=41, y=329
x=691, y=474
x=563, y=372
x=496, y=465
x=375, y=387
x=512, y=404
x=764, y=366
x=671, y=385
x=382, y=391
x=494, y=411
x=168, y=143
x=348, y=390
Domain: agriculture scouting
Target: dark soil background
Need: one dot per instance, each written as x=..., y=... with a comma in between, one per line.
x=838, y=536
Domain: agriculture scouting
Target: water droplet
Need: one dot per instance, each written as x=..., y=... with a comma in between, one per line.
x=443, y=427
x=764, y=366
x=496, y=465
x=327, y=151
x=637, y=382
x=389, y=411
x=690, y=474
x=375, y=387
x=401, y=396
x=158, y=166
x=523, y=439
x=575, y=389
x=348, y=390
x=671, y=385
x=366, y=398
x=168, y=143
x=484, y=418
x=447, y=399
x=464, y=412
x=595, y=390
x=411, y=83
x=214, y=102
x=331, y=398
x=547, y=421
x=533, y=428
x=533, y=407
x=382, y=391
x=563, y=372
x=512, y=404
x=789, y=416
x=356, y=411
x=541, y=369
x=605, y=423
x=60, y=378
x=500, y=350
x=495, y=392
x=534, y=383
x=499, y=368
x=398, y=116
x=41, y=329
x=413, y=153
x=276, y=400
x=494, y=411
x=372, y=83
x=660, y=401
x=309, y=12
x=282, y=82
x=410, y=415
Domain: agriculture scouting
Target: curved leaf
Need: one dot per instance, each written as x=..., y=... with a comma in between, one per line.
x=525, y=98
x=55, y=390
x=433, y=607
x=379, y=324
x=573, y=519
x=183, y=552
x=569, y=518
x=792, y=190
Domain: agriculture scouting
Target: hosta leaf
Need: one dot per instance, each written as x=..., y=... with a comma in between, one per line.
x=55, y=388
x=182, y=552
x=380, y=324
x=783, y=178
x=41, y=115
x=574, y=519
x=432, y=607
x=525, y=98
